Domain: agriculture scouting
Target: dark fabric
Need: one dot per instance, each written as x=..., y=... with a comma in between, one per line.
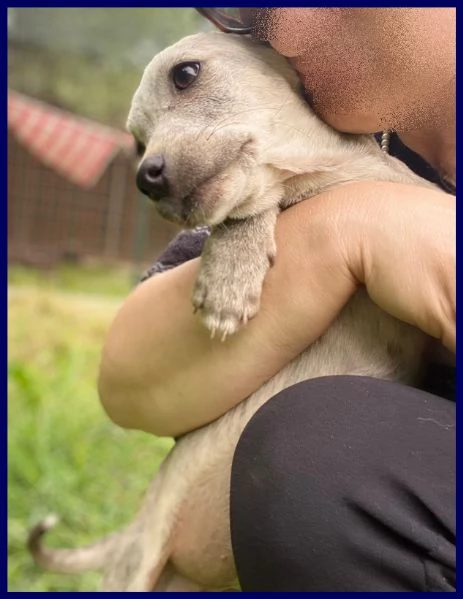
x=415, y=163
x=187, y=245
x=440, y=379
x=346, y=484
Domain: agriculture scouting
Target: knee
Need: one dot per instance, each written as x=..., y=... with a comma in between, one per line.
x=311, y=433
x=289, y=471
x=310, y=464
x=312, y=430
x=328, y=428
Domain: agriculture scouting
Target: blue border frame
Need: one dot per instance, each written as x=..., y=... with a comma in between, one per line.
x=51, y=4
x=46, y=4
x=4, y=525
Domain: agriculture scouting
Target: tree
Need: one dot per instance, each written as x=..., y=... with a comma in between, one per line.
x=89, y=60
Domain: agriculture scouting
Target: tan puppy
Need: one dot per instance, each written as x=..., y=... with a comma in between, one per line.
x=228, y=141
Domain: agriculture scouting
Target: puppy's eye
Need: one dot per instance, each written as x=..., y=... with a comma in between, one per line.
x=140, y=148
x=184, y=74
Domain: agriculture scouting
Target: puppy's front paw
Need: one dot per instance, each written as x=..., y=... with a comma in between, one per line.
x=224, y=309
x=234, y=263
x=228, y=299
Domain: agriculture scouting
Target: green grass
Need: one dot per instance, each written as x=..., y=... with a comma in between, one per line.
x=64, y=455
x=114, y=281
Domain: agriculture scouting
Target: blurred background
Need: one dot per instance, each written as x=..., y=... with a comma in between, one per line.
x=79, y=237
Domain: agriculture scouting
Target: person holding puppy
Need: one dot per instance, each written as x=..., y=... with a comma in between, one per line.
x=338, y=483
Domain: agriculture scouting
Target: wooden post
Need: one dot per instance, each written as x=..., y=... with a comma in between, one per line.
x=115, y=209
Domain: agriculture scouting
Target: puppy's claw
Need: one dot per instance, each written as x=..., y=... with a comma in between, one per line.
x=197, y=305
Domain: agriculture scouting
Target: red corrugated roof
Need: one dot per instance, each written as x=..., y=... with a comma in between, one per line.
x=77, y=148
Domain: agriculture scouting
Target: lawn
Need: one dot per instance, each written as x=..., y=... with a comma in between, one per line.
x=64, y=455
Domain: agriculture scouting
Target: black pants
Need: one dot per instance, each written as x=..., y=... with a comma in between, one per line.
x=346, y=484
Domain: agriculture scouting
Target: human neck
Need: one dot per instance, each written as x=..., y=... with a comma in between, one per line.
x=435, y=141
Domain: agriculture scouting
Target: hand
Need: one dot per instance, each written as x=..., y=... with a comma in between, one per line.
x=406, y=255
x=161, y=373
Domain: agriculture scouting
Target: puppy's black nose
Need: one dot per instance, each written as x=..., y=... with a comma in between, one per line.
x=151, y=177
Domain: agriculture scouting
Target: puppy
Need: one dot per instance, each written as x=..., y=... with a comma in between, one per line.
x=228, y=141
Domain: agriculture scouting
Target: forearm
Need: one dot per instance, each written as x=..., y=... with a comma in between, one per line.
x=160, y=371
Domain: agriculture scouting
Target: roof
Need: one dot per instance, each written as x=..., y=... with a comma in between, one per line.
x=76, y=148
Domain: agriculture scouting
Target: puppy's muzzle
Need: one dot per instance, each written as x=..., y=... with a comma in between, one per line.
x=151, y=177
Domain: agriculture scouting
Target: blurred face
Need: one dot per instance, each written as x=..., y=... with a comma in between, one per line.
x=367, y=69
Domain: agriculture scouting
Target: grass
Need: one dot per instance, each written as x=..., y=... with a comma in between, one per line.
x=91, y=279
x=64, y=455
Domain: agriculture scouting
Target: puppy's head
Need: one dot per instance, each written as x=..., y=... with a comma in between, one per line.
x=209, y=119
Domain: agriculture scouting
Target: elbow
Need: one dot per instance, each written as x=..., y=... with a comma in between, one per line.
x=127, y=402
x=117, y=396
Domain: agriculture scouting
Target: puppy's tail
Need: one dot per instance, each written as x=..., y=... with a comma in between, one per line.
x=68, y=561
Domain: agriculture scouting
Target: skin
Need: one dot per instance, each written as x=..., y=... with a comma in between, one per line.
x=161, y=373
x=391, y=78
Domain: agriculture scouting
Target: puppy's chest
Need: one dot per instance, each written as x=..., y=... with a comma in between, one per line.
x=295, y=192
x=304, y=186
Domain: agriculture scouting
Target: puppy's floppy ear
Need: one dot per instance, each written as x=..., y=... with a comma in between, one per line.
x=301, y=155
x=308, y=164
x=299, y=142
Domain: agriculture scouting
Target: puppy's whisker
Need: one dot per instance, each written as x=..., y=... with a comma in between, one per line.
x=225, y=121
x=202, y=214
x=217, y=128
x=282, y=106
x=302, y=132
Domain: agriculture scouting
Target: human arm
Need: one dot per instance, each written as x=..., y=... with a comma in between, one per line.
x=161, y=373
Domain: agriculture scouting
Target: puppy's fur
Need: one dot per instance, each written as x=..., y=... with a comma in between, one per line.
x=240, y=144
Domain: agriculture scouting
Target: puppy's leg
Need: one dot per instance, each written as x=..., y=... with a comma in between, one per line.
x=126, y=564
x=171, y=581
x=140, y=572
x=141, y=558
x=234, y=263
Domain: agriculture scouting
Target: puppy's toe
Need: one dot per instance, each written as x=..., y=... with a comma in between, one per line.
x=228, y=319
x=220, y=325
x=199, y=296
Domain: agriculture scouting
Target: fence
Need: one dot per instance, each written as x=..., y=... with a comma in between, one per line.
x=54, y=217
